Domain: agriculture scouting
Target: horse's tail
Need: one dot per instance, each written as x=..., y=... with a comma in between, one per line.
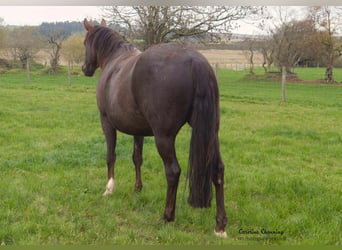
x=204, y=147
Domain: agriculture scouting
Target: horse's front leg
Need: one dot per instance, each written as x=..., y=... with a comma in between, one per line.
x=110, y=134
x=137, y=159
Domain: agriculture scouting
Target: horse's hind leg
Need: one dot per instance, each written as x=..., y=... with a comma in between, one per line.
x=166, y=149
x=221, y=217
x=110, y=134
x=137, y=159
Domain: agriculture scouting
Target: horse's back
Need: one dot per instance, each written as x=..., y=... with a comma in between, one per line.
x=162, y=85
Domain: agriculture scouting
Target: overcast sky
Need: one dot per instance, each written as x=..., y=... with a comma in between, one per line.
x=35, y=15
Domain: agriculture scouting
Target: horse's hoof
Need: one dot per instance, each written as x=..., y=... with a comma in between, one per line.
x=107, y=193
x=221, y=234
x=109, y=187
x=138, y=189
x=167, y=219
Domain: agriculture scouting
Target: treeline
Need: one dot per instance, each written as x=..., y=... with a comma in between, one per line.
x=67, y=27
x=23, y=45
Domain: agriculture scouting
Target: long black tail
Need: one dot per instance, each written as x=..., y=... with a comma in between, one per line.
x=204, y=147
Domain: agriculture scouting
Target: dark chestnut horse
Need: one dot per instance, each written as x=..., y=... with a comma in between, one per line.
x=154, y=93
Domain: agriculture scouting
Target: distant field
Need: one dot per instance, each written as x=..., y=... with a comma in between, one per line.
x=283, y=168
x=239, y=60
x=229, y=58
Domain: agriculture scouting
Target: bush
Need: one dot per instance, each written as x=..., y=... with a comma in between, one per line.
x=5, y=64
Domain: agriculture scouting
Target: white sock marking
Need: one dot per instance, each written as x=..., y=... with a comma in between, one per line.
x=221, y=234
x=109, y=187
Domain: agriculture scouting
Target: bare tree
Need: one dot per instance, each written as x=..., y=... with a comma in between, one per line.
x=249, y=48
x=54, y=37
x=55, y=41
x=292, y=41
x=328, y=21
x=267, y=50
x=2, y=34
x=4, y=63
x=156, y=24
x=24, y=44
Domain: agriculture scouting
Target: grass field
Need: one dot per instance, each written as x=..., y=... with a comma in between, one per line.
x=283, y=168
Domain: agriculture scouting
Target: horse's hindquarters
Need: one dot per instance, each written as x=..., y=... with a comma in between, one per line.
x=163, y=89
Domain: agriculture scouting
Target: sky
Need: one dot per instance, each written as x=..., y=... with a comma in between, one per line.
x=35, y=15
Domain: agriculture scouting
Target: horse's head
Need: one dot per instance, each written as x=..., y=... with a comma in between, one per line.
x=91, y=58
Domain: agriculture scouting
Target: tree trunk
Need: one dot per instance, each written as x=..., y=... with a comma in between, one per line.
x=329, y=74
x=251, y=66
x=329, y=70
x=55, y=54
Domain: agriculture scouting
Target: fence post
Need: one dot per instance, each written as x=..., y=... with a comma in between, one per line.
x=283, y=83
x=27, y=70
x=69, y=72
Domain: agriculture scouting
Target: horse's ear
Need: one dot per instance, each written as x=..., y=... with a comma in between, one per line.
x=103, y=23
x=87, y=25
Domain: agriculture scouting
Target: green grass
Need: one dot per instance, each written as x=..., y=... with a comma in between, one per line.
x=312, y=74
x=283, y=168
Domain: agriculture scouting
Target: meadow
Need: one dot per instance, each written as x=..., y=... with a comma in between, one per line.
x=283, y=176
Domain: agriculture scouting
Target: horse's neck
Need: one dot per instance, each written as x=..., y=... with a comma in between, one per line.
x=119, y=57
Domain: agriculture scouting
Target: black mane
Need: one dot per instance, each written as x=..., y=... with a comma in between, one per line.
x=108, y=41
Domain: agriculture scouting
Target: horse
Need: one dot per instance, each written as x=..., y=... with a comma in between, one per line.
x=154, y=93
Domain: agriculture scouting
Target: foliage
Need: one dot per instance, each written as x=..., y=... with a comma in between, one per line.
x=73, y=49
x=283, y=168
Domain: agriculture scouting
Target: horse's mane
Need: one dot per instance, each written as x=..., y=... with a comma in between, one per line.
x=107, y=41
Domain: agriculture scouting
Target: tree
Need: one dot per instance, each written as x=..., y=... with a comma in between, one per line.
x=73, y=51
x=294, y=43
x=157, y=24
x=249, y=48
x=54, y=38
x=2, y=34
x=267, y=49
x=55, y=41
x=22, y=41
x=287, y=43
x=328, y=22
x=3, y=45
x=24, y=45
